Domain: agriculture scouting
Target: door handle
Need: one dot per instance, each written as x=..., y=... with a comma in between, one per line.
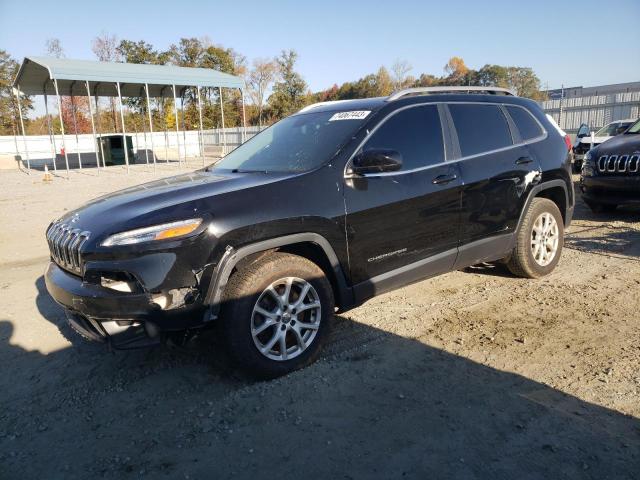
x=524, y=160
x=444, y=179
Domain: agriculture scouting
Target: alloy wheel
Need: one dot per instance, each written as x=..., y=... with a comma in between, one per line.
x=545, y=237
x=286, y=318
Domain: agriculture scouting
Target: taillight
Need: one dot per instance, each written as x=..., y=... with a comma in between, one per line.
x=567, y=140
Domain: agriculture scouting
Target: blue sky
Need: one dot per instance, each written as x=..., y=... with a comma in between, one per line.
x=576, y=43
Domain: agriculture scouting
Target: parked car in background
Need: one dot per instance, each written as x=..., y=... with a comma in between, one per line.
x=611, y=172
x=320, y=212
x=584, y=142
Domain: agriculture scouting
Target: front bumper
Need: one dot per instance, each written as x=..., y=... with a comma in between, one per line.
x=614, y=190
x=103, y=314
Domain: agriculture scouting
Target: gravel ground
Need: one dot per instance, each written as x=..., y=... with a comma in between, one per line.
x=474, y=374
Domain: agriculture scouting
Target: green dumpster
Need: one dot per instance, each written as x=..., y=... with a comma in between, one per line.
x=111, y=151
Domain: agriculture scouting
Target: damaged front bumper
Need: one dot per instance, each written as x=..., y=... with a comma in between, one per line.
x=124, y=319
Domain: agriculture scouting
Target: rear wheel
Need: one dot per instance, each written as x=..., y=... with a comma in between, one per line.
x=539, y=241
x=276, y=314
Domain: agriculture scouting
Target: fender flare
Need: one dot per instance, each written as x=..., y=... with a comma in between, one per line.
x=568, y=213
x=232, y=256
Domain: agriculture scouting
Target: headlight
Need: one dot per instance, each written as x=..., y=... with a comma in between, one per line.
x=157, y=232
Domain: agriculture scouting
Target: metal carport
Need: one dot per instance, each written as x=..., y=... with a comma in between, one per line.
x=58, y=76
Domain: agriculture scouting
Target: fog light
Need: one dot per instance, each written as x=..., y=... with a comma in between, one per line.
x=118, y=285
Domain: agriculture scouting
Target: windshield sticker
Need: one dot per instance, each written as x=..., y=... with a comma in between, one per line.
x=355, y=115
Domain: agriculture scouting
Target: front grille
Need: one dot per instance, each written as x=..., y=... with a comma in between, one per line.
x=619, y=164
x=65, y=245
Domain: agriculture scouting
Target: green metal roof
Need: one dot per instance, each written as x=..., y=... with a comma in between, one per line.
x=35, y=73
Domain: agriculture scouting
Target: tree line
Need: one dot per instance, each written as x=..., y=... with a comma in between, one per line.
x=274, y=87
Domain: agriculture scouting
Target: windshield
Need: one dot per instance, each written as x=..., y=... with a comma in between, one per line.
x=635, y=128
x=611, y=129
x=296, y=144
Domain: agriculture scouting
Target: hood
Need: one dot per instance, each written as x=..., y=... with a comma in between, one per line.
x=596, y=140
x=626, y=144
x=175, y=198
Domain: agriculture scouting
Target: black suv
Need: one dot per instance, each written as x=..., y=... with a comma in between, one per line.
x=610, y=173
x=327, y=208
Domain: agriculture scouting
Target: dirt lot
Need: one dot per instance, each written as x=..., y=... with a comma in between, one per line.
x=474, y=374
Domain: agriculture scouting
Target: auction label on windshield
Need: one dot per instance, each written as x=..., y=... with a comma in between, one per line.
x=355, y=115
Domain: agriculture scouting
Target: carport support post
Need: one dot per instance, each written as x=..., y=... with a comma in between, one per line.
x=244, y=119
x=153, y=155
x=124, y=133
x=75, y=123
x=144, y=133
x=201, y=136
x=175, y=111
x=64, y=144
x=93, y=125
x=166, y=133
x=184, y=127
x=95, y=95
x=52, y=134
x=24, y=138
x=224, y=134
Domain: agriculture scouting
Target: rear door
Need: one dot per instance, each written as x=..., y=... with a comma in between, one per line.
x=497, y=169
x=396, y=219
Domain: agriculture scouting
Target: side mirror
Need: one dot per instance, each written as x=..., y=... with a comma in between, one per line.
x=376, y=161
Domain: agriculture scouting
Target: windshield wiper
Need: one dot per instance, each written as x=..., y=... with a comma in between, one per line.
x=237, y=170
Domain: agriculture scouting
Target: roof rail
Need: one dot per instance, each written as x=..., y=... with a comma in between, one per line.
x=427, y=90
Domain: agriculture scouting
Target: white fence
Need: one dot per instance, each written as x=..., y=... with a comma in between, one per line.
x=167, y=146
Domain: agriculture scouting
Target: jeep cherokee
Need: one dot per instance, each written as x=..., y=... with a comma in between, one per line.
x=610, y=174
x=322, y=211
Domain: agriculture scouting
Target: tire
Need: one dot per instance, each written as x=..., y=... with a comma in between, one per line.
x=601, y=207
x=522, y=261
x=248, y=298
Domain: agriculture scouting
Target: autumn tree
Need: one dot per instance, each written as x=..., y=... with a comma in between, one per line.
x=53, y=48
x=8, y=105
x=75, y=109
x=290, y=90
x=400, y=70
x=105, y=48
x=457, y=72
x=522, y=80
x=259, y=80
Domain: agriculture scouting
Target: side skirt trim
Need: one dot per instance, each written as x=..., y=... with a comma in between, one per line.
x=400, y=277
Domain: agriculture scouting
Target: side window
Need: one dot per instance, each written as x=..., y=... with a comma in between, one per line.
x=527, y=125
x=480, y=128
x=415, y=133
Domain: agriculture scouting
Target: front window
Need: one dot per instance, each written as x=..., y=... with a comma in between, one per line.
x=295, y=144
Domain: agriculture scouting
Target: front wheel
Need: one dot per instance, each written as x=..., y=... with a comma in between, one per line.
x=276, y=314
x=539, y=241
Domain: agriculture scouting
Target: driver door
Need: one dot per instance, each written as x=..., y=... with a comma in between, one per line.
x=403, y=225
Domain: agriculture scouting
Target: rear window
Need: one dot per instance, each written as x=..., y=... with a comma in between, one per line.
x=527, y=125
x=480, y=128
